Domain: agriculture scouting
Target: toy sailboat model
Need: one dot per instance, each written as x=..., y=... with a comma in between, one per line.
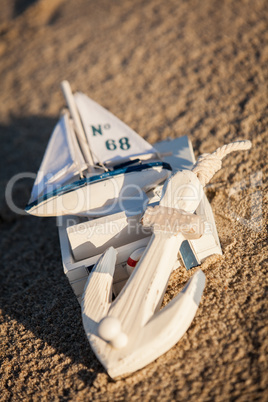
x=88, y=168
x=118, y=255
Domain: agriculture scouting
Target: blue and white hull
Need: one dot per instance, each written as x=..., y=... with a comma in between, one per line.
x=100, y=194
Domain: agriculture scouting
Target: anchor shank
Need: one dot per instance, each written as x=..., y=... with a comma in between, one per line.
x=146, y=286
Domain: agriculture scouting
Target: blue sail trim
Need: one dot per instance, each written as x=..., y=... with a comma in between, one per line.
x=100, y=177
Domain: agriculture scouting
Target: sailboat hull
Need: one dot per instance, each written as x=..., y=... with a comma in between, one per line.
x=101, y=193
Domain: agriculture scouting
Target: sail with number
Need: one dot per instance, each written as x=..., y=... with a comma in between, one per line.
x=110, y=140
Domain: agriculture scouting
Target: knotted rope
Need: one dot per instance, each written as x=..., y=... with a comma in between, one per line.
x=208, y=164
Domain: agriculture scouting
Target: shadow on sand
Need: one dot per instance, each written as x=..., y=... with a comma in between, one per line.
x=34, y=289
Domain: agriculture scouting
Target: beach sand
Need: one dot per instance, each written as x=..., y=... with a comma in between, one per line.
x=167, y=69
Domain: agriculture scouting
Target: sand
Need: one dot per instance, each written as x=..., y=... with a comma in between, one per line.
x=166, y=68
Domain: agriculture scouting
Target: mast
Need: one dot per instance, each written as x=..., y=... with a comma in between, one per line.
x=68, y=95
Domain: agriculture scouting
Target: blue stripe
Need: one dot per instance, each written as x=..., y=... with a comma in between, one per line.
x=100, y=177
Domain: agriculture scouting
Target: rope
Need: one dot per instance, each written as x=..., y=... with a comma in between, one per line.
x=208, y=164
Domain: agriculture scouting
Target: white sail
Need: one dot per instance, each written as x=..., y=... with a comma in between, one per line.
x=110, y=140
x=62, y=160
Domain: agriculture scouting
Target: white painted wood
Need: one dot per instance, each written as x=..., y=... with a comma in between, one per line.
x=98, y=296
x=95, y=236
x=149, y=335
x=76, y=271
x=182, y=191
x=137, y=336
x=182, y=157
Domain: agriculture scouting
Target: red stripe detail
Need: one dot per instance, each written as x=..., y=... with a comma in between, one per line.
x=131, y=263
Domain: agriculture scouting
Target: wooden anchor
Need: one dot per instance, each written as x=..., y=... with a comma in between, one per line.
x=131, y=331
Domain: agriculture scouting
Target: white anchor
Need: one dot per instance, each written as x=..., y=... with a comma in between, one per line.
x=132, y=331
